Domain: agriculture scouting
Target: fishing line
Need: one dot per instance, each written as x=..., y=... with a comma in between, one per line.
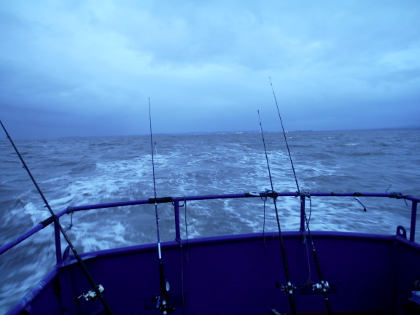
x=289, y=288
x=323, y=285
x=182, y=255
x=71, y=221
x=306, y=243
x=185, y=219
x=310, y=209
x=186, y=229
x=162, y=300
x=185, y=223
x=264, y=199
x=360, y=203
x=63, y=232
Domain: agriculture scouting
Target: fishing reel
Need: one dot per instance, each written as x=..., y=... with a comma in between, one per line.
x=163, y=306
x=289, y=288
x=321, y=287
x=90, y=295
x=162, y=302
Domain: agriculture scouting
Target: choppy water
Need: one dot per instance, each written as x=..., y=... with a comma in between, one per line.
x=92, y=170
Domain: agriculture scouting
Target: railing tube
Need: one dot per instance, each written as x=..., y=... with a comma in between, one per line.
x=413, y=220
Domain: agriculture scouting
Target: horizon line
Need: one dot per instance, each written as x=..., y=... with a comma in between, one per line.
x=198, y=133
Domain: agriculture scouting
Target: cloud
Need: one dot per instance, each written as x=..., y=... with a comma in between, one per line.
x=205, y=63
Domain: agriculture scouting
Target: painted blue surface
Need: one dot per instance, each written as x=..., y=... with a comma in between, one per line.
x=237, y=274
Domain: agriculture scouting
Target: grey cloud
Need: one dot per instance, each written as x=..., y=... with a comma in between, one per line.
x=205, y=64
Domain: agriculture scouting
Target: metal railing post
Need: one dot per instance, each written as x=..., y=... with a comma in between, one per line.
x=58, y=243
x=177, y=231
x=413, y=220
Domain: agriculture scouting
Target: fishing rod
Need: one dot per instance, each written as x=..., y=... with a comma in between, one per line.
x=323, y=285
x=289, y=287
x=97, y=289
x=162, y=300
x=285, y=138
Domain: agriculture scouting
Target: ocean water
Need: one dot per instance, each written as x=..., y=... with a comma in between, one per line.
x=76, y=171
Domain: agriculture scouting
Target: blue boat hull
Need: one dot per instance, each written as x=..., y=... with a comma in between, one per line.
x=240, y=274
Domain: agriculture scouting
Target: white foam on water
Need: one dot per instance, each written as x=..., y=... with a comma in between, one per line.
x=34, y=260
x=20, y=288
x=92, y=237
x=110, y=180
x=316, y=169
x=348, y=216
x=61, y=203
x=36, y=212
x=57, y=179
x=351, y=144
x=199, y=167
x=193, y=232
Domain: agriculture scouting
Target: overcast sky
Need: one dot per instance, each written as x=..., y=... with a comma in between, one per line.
x=75, y=68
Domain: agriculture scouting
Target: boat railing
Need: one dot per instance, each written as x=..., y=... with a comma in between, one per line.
x=176, y=201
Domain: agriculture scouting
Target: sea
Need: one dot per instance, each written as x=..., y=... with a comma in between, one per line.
x=79, y=171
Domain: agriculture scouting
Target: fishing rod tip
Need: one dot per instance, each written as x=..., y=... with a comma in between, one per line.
x=4, y=128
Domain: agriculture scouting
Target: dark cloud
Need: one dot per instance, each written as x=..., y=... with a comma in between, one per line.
x=87, y=68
